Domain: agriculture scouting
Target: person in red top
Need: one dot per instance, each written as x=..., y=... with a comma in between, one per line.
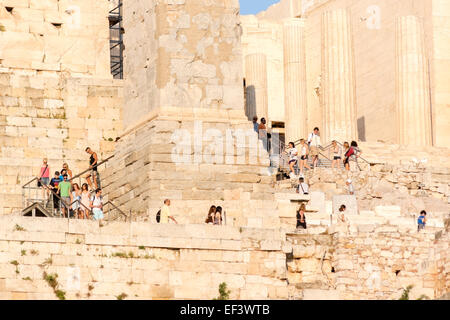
x=44, y=178
x=349, y=151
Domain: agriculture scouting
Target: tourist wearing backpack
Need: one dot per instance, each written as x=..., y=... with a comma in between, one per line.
x=422, y=220
x=164, y=214
x=97, y=205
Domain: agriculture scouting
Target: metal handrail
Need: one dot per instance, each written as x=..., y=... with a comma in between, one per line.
x=297, y=142
x=116, y=208
x=87, y=170
x=63, y=203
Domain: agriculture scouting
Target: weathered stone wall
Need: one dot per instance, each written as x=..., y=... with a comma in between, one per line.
x=46, y=37
x=139, y=260
x=146, y=261
x=182, y=54
x=231, y=171
x=375, y=265
x=269, y=42
x=57, y=118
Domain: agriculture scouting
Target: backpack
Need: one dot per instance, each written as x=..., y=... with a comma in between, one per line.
x=420, y=220
x=158, y=216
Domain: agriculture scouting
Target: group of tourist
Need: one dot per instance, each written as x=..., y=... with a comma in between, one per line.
x=299, y=155
x=76, y=202
x=261, y=130
x=301, y=217
x=214, y=215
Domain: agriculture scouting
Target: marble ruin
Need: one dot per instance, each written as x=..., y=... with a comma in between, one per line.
x=178, y=126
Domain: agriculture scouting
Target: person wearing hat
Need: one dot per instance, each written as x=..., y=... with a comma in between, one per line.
x=351, y=188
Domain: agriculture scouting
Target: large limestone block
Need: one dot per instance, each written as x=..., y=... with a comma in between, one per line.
x=388, y=211
x=317, y=294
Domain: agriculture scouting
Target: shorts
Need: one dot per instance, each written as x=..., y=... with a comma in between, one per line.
x=337, y=158
x=92, y=173
x=301, y=225
x=420, y=227
x=314, y=151
x=346, y=161
x=303, y=158
x=291, y=161
x=98, y=213
x=66, y=201
x=45, y=181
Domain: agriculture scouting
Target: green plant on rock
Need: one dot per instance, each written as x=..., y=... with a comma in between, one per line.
x=19, y=228
x=52, y=280
x=47, y=261
x=119, y=255
x=122, y=296
x=2, y=28
x=15, y=263
x=23, y=252
x=224, y=294
x=424, y=297
x=60, y=294
x=405, y=294
x=34, y=252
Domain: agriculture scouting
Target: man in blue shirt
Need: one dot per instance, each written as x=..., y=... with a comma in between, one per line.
x=422, y=221
x=255, y=124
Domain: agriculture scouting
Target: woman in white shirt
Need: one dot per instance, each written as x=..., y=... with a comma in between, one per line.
x=293, y=153
x=304, y=152
x=337, y=154
x=97, y=205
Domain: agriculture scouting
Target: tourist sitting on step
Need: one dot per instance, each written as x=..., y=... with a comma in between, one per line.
x=303, y=187
x=304, y=152
x=165, y=213
x=337, y=155
x=351, y=188
x=211, y=215
x=422, y=220
x=292, y=153
x=341, y=216
x=218, y=216
x=301, y=217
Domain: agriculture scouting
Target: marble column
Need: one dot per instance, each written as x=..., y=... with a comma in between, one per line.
x=295, y=79
x=338, y=78
x=256, y=86
x=412, y=92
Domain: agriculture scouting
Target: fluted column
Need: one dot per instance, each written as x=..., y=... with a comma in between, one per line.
x=412, y=94
x=295, y=79
x=256, y=85
x=338, y=79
